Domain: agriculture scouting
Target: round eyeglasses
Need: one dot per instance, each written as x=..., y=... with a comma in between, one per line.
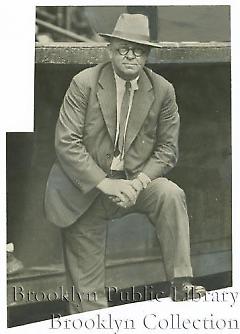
x=138, y=52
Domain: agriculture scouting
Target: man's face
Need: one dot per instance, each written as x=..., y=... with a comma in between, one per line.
x=127, y=58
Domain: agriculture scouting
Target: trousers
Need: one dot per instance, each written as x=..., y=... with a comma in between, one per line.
x=84, y=242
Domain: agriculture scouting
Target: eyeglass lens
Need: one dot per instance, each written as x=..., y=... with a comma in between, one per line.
x=136, y=51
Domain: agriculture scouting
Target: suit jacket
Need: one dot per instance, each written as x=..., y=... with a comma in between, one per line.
x=85, y=134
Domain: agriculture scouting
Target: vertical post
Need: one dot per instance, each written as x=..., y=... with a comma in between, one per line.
x=68, y=18
x=60, y=16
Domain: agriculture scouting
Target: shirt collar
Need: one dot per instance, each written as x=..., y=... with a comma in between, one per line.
x=121, y=82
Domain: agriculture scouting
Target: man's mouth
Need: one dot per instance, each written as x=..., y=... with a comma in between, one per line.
x=129, y=64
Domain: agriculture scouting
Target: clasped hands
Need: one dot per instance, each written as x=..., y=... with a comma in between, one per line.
x=122, y=192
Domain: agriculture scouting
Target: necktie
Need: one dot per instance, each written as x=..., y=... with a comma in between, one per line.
x=123, y=118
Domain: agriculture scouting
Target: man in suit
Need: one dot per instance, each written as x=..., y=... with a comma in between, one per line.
x=116, y=139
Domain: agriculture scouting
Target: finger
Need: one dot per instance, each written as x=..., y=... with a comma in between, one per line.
x=122, y=205
x=145, y=184
x=130, y=192
x=121, y=196
x=116, y=200
x=112, y=197
x=130, y=198
x=137, y=185
x=125, y=204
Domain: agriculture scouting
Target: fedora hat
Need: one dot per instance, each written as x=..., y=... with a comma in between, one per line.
x=132, y=28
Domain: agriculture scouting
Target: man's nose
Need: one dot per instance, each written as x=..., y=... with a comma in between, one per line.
x=130, y=54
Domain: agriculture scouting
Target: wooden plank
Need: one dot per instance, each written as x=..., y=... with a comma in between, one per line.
x=168, y=53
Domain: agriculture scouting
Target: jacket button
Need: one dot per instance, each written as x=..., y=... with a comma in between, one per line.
x=108, y=155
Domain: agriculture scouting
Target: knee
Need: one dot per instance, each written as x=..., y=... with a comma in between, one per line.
x=168, y=189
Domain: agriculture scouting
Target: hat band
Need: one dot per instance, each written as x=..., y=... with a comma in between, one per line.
x=131, y=36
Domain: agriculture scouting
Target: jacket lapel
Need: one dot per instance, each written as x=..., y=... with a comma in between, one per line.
x=142, y=101
x=107, y=99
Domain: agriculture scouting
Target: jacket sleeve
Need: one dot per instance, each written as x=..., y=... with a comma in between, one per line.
x=165, y=154
x=73, y=156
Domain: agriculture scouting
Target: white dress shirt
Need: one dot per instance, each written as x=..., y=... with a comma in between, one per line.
x=118, y=162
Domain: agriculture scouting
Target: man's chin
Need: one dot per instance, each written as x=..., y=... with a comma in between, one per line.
x=130, y=73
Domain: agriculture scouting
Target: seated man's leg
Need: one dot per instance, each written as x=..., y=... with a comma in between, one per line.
x=84, y=255
x=164, y=204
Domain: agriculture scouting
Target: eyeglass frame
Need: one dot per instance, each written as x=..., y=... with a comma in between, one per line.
x=127, y=49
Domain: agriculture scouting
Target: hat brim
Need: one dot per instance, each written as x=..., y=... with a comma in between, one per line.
x=129, y=39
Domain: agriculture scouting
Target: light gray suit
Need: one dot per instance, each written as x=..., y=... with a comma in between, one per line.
x=85, y=134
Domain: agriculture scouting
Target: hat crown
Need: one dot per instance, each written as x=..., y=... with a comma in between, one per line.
x=132, y=26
